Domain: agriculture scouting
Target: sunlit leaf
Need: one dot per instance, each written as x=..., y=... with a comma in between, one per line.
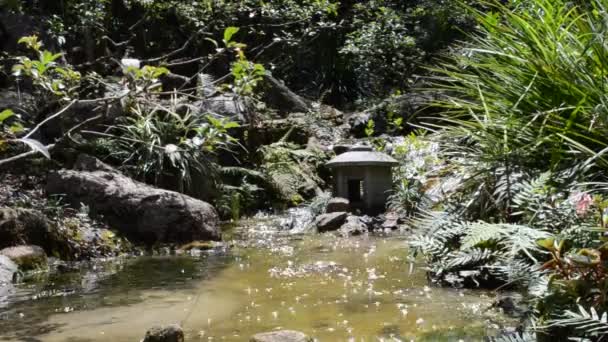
x=5, y=114
x=229, y=32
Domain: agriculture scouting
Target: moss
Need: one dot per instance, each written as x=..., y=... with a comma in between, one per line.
x=204, y=245
x=296, y=199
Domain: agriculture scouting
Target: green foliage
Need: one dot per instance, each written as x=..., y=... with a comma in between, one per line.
x=586, y=324
x=46, y=73
x=161, y=145
x=475, y=253
x=532, y=81
x=418, y=164
x=145, y=79
x=247, y=76
x=292, y=170
x=521, y=128
x=390, y=39
x=516, y=337
x=5, y=114
x=370, y=128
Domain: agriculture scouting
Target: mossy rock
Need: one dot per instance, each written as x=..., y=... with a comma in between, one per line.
x=28, y=258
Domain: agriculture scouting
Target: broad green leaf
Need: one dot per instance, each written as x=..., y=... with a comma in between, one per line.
x=36, y=146
x=231, y=124
x=5, y=114
x=548, y=244
x=229, y=32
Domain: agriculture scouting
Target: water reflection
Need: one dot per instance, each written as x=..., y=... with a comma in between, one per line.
x=335, y=289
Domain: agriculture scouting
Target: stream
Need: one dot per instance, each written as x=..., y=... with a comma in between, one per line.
x=334, y=289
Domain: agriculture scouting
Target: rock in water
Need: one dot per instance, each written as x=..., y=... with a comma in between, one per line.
x=7, y=270
x=281, y=336
x=355, y=225
x=26, y=257
x=171, y=333
x=331, y=221
x=337, y=204
x=139, y=211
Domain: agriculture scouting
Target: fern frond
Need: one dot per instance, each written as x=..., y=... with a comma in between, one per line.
x=585, y=323
x=480, y=232
x=516, y=337
x=429, y=246
x=470, y=257
x=241, y=171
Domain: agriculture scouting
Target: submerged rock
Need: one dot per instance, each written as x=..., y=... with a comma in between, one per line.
x=27, y=257
x=139, y=211
x=512, y=304
x=331, y=221
x=170, y=333
x=281, y=336
x=338, y=204
x=8, y=269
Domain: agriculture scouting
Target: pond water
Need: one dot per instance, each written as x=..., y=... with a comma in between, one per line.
x=334, y=289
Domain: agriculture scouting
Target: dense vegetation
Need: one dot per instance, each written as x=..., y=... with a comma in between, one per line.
x=522, y=135
x=502, y=172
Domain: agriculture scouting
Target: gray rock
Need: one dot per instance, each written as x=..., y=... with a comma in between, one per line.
x=27, y=257
x=226, y=105
x=330, y=221
x=391, y=221
x=281, y=336
x=338, y=204
x=170, y=333
x=354, y=225
x=141, y=212
x=8, y=269
x=280, y=97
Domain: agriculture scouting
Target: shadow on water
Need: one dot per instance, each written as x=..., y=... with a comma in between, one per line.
x=114, y=283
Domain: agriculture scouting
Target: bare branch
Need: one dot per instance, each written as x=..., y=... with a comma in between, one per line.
x=23, y=155
x=172, y=53
x=50, y=118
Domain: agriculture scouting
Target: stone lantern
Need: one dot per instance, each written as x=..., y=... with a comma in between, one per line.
x=364, y=177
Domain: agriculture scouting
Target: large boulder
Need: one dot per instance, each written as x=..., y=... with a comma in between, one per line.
x=281, y=336
x=337, y=204
x=141, y=212
x=28, y=258
x=331, y=221
x=171, y=333
x=8, y=269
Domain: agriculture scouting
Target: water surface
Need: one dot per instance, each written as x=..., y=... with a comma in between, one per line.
x=335, y=289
